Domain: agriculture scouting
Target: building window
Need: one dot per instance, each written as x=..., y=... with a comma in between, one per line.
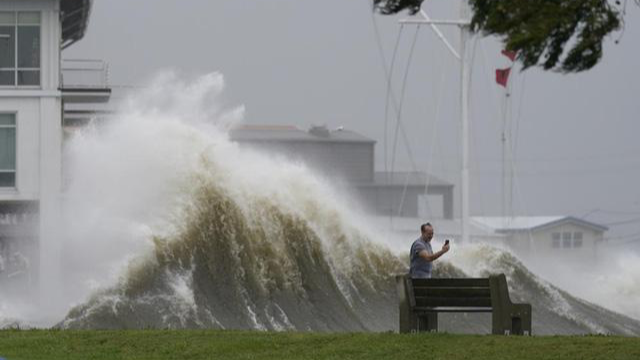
x=19, y=48
x=555, y=240
x=7, y=150
x=566, y=240
x=577, y=239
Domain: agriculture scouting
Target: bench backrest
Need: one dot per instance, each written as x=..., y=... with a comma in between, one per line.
x=420, y=301
x=469, y=292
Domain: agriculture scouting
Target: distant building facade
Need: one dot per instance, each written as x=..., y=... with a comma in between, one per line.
x=350, y=157
x=342, y=154
x=398, y=194
x=557, y=236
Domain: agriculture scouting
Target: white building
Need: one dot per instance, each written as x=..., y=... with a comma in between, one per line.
x=561, y=237
x=33, y=34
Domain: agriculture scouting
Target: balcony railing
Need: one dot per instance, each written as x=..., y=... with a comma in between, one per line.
x=84, y=74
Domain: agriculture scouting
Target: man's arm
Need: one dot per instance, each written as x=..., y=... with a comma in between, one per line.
x=432, y=257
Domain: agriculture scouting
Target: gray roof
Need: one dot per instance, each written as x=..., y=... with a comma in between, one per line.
x=285, y=133
x=530, y=223
x=75, y=19
x=407, y=178
x=443, y=227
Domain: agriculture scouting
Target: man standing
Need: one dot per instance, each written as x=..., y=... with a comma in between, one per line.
x=422, y=255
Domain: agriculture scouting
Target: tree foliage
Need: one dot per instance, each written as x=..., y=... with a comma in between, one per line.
x=563, y=35
x=388, y=7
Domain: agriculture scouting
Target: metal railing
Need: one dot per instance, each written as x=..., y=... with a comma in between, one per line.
x=84, y=73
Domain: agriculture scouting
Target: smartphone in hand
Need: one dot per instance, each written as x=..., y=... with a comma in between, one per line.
x=446, y=242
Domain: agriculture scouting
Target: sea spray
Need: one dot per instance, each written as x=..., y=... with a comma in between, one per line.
x=612, y=281
x=220, y=214
x=553, y=307
x=251, y=240
x=169, y=224
x=254, y=267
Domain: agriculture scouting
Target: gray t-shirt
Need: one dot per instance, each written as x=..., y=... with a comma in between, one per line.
x=420, y=268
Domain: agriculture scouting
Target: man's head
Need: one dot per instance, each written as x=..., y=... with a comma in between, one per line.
x=427, y=231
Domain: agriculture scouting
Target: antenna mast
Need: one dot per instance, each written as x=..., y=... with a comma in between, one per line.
x=462, y=24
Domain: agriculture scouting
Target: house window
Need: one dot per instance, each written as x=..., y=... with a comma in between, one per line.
x=577, y=239
x=7, y=150
x=555, y=240
x=566, y=240
x=19, y=48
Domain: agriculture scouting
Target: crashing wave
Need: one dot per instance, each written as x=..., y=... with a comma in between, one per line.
x=246, y=240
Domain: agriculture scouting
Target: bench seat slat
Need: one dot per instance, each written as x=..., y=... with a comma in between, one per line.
x=422, y=299
x=430, y=301
x=452, y=292
x=443, y=282
x=449, y=309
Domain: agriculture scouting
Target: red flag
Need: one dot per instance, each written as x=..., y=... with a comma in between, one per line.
x=510, y=54
x=502, y=76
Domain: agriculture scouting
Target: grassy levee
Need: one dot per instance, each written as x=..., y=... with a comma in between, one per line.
x=203, y=344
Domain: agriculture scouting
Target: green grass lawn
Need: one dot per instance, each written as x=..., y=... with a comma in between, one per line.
x=208, y=344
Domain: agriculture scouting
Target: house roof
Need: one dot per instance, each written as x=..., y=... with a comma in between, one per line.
x=528, y=223
x=289, y=133
x=443, y=227
x=75, y=19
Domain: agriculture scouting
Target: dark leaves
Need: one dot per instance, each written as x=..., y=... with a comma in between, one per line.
x=542, y=30
x=563, y=35
x=388, y=7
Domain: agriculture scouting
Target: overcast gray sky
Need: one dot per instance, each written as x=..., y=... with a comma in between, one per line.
x=316, y=62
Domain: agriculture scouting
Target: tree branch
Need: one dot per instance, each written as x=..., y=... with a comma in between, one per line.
x=561, y=35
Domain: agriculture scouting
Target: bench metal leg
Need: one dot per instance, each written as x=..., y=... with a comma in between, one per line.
x=508, y=318
x=428, y=322
x=408, y=322
x=521, y=319
x=513, y=321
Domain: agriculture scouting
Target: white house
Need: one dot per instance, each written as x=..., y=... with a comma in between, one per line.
x=33, y=34
x=561, y=237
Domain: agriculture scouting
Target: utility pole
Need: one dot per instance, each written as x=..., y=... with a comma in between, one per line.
x=465, y=65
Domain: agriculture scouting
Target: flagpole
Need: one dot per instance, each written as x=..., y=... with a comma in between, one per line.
x=464, y=115
x=463, y=24
x=502, y=79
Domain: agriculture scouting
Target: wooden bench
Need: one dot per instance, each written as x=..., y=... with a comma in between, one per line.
x=421, y=300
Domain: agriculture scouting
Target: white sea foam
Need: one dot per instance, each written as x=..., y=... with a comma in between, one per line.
x=128, y=179
x=612, y=282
